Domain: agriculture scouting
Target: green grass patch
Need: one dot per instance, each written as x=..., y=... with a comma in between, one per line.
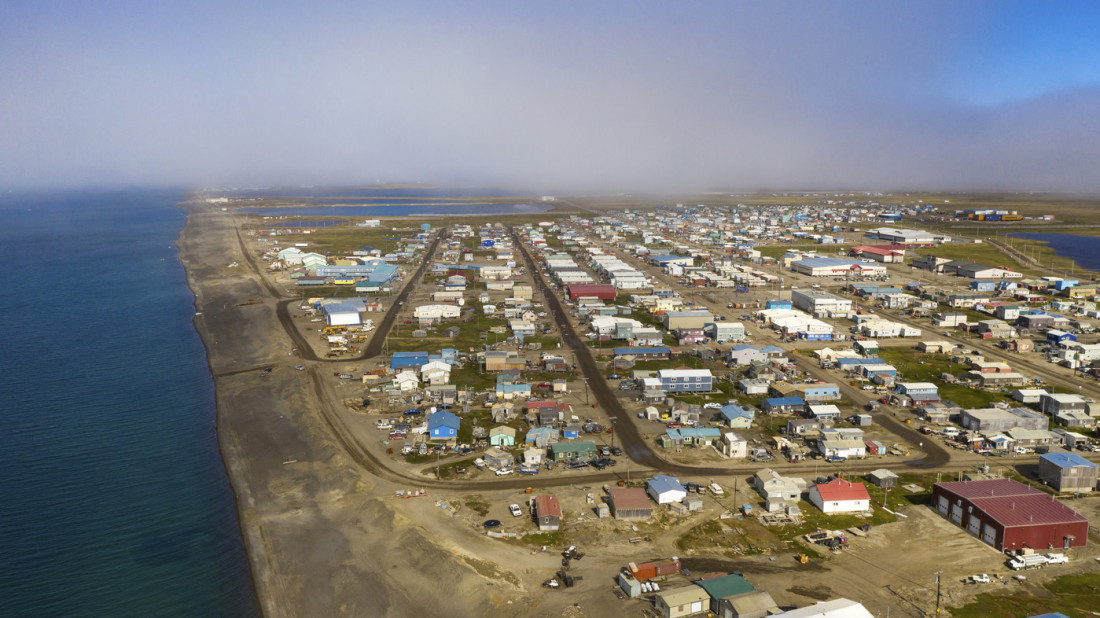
x=477, y=504
x=915, y=366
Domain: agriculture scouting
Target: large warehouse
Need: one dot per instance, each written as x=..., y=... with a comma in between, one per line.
x=1010, y=515
x=829, y=267
x=602, y=292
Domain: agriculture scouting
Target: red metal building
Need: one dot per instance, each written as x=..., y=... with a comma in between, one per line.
x=602, y=292
x=1010, y=515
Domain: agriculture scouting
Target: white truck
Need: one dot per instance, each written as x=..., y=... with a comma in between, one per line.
x=1027, y=561
x=1057, y=559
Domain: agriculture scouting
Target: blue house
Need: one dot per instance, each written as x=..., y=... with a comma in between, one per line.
x=1065, y=284
x=821, y=392
x=982, y=286
x=736, y=416
x=442, y=425
x=402, y=360
x=783, y=405
x=449, y=356
x=778, y=304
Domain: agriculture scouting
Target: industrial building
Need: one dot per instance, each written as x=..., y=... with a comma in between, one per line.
x=1068, y=472
x=816, y=302
x=831, y=267
x=1010, y=515
x=603, y=292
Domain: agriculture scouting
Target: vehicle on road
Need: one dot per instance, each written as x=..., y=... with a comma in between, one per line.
x=504, y=471
x=836, y=459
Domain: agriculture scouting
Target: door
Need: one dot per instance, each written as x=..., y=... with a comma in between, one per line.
x=974, y=525
x=942, y=506
x=989, y=535
x=957, y=513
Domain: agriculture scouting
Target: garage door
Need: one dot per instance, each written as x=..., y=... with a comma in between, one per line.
x=697, y=607
x=989, y=535
x=957, y=513
x=942, y=506
x=974, y=525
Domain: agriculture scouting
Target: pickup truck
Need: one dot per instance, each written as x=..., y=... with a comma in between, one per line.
x=1057, y=559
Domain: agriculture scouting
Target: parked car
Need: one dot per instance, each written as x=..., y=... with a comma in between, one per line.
x=504, y=471
x=515, y=510
x=836, y=459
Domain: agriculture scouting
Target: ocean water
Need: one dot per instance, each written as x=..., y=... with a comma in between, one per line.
x=403, y=210
x=1085, y=250
x=113, y=497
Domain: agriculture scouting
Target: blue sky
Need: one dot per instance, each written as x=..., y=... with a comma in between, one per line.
x=566, y=96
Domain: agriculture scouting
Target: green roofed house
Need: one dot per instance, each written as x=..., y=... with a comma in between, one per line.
x=724, y=587
x=569, y=451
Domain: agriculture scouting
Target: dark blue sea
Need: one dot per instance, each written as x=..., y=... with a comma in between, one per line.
x=1085, y=250
x=113, y=497
x=404, y=210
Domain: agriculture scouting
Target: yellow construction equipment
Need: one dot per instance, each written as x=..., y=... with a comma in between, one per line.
x=803, y=558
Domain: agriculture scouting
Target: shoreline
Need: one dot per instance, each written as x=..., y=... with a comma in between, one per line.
x=230, y=455
x=319, y=536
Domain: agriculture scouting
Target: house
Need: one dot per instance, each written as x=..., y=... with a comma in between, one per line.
x=733, y=446
x=804, y=428
x=630, y=503
x=783, y=405
x=583, y=451
x=744, y=354
x=837, y=608
x=1068, y=472
x=825, y=414
x=548, y=513
x=736, y=417
x=665, y=489
x=755, y=604
x=498, y=459
x=840, y=496
x=542, y=436
x=443, y=425
x=778, y=490
x=685, y=380
x=683, y=601
x=847, y=443
x=724, y=587
x=503, y=361
x=406, y=381
x=435, y=372
x=502, y=435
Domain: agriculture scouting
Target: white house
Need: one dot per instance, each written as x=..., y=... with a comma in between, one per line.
x=840, y=496
x=406, y=381
x=665, y=489
x=734, y=446
x=435, y=372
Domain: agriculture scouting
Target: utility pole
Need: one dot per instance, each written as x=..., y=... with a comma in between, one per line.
x=938, y=592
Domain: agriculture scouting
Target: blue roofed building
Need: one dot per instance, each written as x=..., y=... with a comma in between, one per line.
x=664, y=489
x=736, y=417
x=783, y=405
x=1068, y=472
x=443, y=425
x=402, y=360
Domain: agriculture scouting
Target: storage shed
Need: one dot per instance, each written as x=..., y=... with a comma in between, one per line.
x=882, y=478
x=630, y=503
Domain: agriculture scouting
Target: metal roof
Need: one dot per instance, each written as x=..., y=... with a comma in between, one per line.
x=1067, y=460
x=725, y=586
x=1034, y=509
